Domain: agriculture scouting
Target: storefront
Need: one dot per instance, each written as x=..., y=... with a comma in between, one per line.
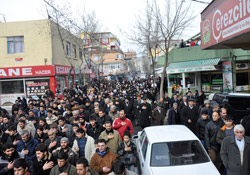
x=31, y=81
x=189, y=74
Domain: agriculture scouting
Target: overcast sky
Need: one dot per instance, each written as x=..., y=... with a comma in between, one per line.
x=113, y=14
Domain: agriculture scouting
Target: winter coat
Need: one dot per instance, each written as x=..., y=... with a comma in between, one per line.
x=230, y=155
x=68, y=168
x=200, y=128
x=174, y=117
x=96, y=134
x=97, y=162
x=128, y=157
x=113, y=115
x=4, y=163
x=29, y=145
x=211, y=131
x=29, y=126
x=38, y=165
x=112, y=143
x=89, y=147
x=158, y=117
x=58, y=141
x=122, y=128
x=192, y=114
x=144, y=119
x=221, y=135
x=72, y=155
x=69, y=132
x=51, y=119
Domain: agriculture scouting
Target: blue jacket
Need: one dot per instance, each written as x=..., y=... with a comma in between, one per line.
x=29, y=145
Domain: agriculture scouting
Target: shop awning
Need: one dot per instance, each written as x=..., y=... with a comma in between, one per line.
x=193, y=66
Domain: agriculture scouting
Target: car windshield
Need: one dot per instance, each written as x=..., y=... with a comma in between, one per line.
x=178, y=153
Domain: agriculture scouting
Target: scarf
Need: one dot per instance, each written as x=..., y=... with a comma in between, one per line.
x=102, y=154
x=127, y=144
x=111, y=131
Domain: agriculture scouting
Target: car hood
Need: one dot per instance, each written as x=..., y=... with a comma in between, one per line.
x=196, y=169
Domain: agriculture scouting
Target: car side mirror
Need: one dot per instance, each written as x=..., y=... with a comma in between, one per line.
x=135, y=137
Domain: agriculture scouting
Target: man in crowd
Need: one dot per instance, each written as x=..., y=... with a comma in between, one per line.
x=235, y=152
x=123, y=124
x=112, y=137
x=82, y=167
x=21, y=167
x=7, y=159
x=63, y=167
x=53, y=142
x=145, y=114
x=102, y=160
x=44, y=161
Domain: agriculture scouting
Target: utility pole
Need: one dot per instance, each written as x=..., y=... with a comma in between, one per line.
x=3, y=16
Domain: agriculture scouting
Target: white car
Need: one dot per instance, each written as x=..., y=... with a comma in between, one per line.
x=172, y=150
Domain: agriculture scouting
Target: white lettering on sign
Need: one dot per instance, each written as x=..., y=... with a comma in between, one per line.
x=27, y=71
x=43, y=72
x=62, y=70
x=3, y=73
x=15, y=72
x=222, y=21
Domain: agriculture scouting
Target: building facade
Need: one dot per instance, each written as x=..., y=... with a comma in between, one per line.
x=34, y=58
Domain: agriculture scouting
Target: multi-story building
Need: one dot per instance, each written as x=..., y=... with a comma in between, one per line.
x=104, y=51
x=34, y=58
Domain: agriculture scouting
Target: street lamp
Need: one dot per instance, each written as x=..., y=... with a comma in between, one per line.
x=3, y=17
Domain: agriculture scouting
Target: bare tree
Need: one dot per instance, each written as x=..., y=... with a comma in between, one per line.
x=145, y=33
x=85, y=24
x=172, y=20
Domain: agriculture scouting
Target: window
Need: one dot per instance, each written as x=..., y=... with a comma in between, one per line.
x=9, y=87
x=68, y=51
x=15, y=44
x=104, y=40
x=86, y=42
x=145, y=147
x=96, y=58
x=115, y=66
x=178, y=153
x=74, y=50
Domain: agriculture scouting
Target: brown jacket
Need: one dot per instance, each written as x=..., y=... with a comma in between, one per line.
x=158, y=117
x=97, y=162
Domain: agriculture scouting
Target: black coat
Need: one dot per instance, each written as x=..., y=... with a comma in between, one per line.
x=200, y=128
x=128, y=108
x=211, y=131
x=128, y=157
x=94, y=132
x=144, y=119
x=38, y=165
x=174, y=117
x=192, y=114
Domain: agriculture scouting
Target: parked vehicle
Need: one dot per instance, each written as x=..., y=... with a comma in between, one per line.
x=172, y=150
x=238, y=101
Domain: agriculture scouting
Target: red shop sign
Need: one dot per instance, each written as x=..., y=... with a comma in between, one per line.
x=29, y=71
x=223, y=20
x=63, y=70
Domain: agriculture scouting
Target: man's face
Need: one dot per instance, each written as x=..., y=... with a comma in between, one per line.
x=175, y=106
x=11, y=133
x=204, y=116
x=40, y=155
x=64, y=145
x=121, y=114
x=5, y=120
x=61, y=122
x=101, y=114
x=229, y=123
x=74, y=129
x=21, y=124
x=92, y=122
x=41, y=108
x=51, y=135
x=223, y=113
x=81, y=170
x=20, y=171
x=215, y=116
x=108, y=126
x=102, y=147
x=239, y=134
x=25, y=138
x=9, y=152
x=20, y=112
x=31, y=114
x=49, y=114
x=79, y=135
x=61, y=162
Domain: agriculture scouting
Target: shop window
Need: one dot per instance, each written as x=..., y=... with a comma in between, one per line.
x=190, y=79
x=242, y=82
x=15, y=44
x=80, y=53
x=10, y=87
x=216, y=79
x=37, y=87
x=175, y=79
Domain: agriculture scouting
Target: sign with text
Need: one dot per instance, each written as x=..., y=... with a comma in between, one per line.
x=227, y=20
x=30, y=71
x=63, y=70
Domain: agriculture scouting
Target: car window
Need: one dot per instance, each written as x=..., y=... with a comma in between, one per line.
x=144, y=147
x=142, y=137
x=239, y=103
x=178, y=153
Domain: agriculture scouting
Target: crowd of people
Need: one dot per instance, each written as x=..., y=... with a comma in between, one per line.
x=87, y=130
